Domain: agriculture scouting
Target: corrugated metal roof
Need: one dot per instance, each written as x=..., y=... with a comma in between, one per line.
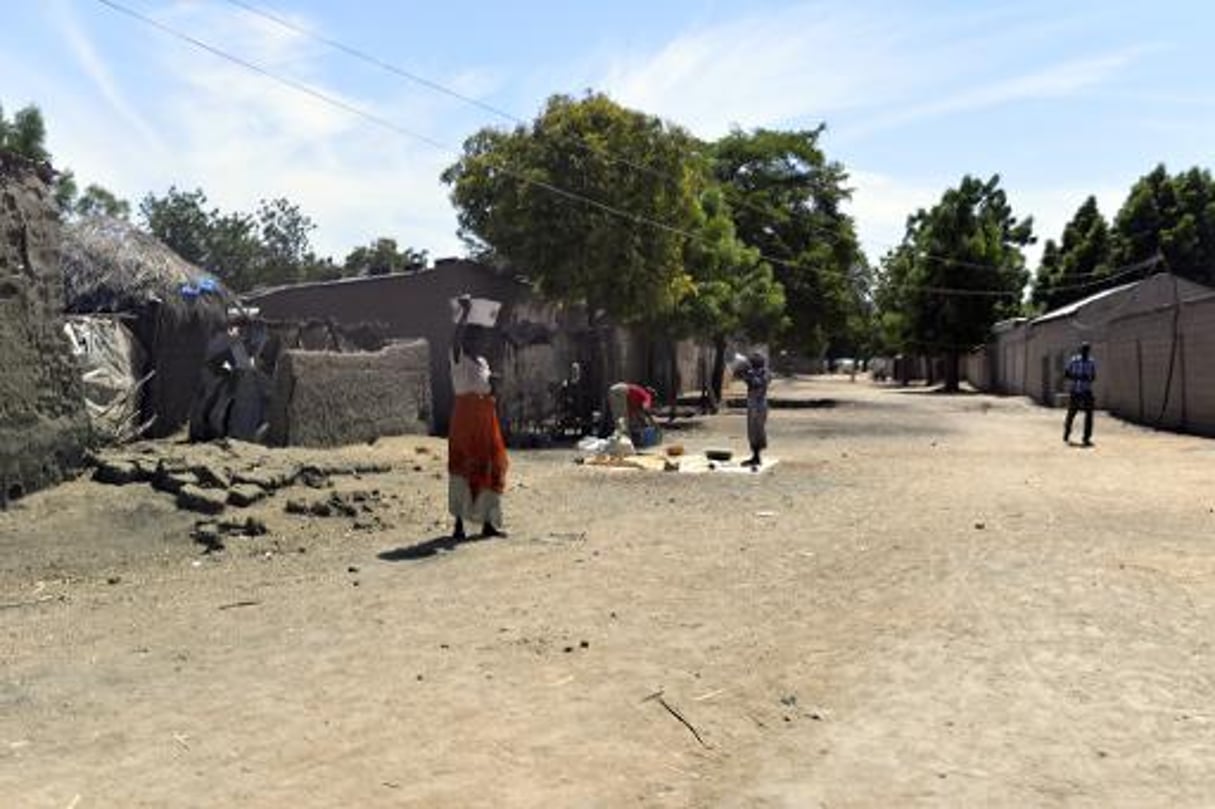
x=1075, y=306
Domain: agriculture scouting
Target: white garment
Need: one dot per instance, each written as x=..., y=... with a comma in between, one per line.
x=486, y=507
x=470, y=375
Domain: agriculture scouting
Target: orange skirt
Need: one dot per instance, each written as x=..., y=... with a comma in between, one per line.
x=475, y=449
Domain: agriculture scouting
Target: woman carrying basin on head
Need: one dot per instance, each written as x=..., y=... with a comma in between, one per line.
x=476, y=452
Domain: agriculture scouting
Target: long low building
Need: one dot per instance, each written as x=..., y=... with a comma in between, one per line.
x=1148, y=337
x=537, y=341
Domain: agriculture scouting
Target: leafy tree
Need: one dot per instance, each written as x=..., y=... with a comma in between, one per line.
x=538, y=198
x=382, y=257
x=1075, y=268
x=321, y=269
x=958, y=270
x=786, y=199
x=243, y=250
x=1173, y=217
x=1049, y=277
x=25, y=134
x=98, y=201
x=284, y=232
x=233, y=252
x=734, y=293
x=180, y=220
x=66, y=191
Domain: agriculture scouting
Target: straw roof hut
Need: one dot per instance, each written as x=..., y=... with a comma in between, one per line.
x=172, y=307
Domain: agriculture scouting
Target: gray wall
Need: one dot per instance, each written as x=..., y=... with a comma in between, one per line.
x=1152, y=345
x=532, y=349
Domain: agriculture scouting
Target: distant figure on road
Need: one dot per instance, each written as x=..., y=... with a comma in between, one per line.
x=476, y=453
x=757, y=378
x=1082, y=371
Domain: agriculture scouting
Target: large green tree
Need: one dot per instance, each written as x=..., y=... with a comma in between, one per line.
x=1169, y=216
x=591, y=200
x=786, y=199
x=958, y=270
x=734, y=293
x=1079, y=264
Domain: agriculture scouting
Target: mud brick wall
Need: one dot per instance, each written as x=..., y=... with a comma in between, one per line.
x=324, y=398
x=43, y=424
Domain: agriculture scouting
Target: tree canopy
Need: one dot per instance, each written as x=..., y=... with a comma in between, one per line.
x=1169, y=216
x=786, y=200
x=270, y=246
x=25, y=135
x=958, y=270
x=591, y=200
x=1075, y=267
x=382, y=257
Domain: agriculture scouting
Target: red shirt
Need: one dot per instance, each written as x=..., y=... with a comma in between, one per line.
x=639, y=397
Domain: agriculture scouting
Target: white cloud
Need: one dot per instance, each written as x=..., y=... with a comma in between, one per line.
x=1057, y=81
x=99, y=74
x=790, y=63
x=881, y=204
x=242, y=137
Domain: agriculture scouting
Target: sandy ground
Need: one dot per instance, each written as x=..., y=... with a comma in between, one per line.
x=929, y=601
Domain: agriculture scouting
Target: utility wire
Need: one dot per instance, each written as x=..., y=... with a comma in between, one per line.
x=574, y=196
x=579, y=141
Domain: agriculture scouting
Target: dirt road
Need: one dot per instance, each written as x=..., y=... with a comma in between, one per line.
x=929, y=601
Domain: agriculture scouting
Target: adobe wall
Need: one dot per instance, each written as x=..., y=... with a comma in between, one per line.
x=324, y=398
x=43, y=424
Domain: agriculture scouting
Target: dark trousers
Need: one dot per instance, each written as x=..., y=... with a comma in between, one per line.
x=1079, y=401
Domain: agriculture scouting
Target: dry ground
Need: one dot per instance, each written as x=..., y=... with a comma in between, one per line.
x=930, y=601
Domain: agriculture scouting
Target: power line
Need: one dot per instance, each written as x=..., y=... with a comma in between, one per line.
x=576, y=139
x=573, y=196
x=430, y=84
x=384, y=122
x=1115, y=274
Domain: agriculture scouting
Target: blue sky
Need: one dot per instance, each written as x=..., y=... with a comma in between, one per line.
x=1062, y=99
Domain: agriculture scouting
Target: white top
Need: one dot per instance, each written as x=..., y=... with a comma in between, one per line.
x=470, y=375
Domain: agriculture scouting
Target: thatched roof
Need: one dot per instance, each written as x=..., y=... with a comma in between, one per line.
x=111, y=266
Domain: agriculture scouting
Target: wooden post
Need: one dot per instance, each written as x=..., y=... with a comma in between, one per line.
x=1139, y=373
x=1184, y=404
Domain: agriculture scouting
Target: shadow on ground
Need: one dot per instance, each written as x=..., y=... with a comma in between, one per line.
x=936, y=390
x=428, y=548
x=778, y=403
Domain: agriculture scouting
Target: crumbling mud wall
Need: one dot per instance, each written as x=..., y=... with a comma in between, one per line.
x=323, y=398
x=43, y=423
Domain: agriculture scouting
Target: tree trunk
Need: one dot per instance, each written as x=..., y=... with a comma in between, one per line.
x=717, y=380
x=676, y=382
x=952, y=361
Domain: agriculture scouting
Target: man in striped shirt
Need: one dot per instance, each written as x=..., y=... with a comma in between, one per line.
x=1082, y=371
